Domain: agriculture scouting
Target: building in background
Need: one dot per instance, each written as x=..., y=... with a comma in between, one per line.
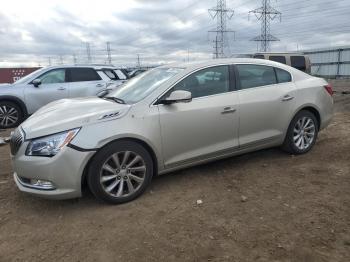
x=330, y=62
x=11, y=75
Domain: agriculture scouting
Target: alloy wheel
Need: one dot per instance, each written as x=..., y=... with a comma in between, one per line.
x=304, y=133
x=123, y=174
x=8, y=115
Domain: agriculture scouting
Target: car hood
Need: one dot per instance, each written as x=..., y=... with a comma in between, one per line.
x=7, y=88
x=67, y=114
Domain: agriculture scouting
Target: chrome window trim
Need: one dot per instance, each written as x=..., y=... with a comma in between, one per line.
x=224, y=64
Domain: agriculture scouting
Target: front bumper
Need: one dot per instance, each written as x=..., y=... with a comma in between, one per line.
x=64, y=171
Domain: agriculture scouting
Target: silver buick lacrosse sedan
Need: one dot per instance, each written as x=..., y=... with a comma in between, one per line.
x=168, y=118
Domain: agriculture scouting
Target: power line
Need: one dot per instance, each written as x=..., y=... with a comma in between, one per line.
x=221, y=13
x=266, y=13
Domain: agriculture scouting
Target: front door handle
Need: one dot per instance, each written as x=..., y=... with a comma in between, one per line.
x=100, y=85
x=287, y=98
x=228, y=110
x=61, y=88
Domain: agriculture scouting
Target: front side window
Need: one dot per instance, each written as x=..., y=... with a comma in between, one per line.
x=278, y=58
x=298, y=62
x=283, y=76
x=53, y=76
x=83, y=74
x=255, y=75
x=206, y=82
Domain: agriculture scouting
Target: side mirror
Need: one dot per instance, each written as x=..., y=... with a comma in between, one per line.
x=36, y=82
x=103, y=93
x=178, y=96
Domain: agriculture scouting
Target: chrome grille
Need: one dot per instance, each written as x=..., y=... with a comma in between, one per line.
x=16, y=141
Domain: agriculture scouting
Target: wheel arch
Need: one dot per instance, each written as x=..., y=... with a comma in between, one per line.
x=314, y=111
x=17, y=101
x=149, y=149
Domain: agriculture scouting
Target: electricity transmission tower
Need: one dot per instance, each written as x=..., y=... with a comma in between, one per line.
x=138, y=61
x=88, y=52
x=221, y=13
x=109, y=56
x=266, y=13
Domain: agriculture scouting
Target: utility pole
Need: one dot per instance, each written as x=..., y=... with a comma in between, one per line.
x=221, y=13
x=49, y=61
x=138, y=62
x=109, y=56
x=74, y=59
x=266, y=13
x=61, y=60
x=88, y=52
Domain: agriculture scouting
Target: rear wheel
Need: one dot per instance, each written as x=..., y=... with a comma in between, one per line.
x=120, y=172
x=302, y=133
x=10, y=114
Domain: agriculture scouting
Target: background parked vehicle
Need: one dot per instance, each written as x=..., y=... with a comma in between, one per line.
x=136, y=72
x=170, y=118
x=24, y=97
x=296, y=60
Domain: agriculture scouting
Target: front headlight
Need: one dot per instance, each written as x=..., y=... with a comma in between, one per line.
x=50, y=145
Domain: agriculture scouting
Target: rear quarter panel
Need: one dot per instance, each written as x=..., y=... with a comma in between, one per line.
x=311, y=93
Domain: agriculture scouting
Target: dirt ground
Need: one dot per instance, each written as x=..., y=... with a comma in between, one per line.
x=262, y=206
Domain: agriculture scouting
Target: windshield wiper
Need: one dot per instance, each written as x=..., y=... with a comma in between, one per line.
x=115, y=99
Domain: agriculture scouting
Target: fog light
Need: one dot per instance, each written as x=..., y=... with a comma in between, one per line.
x=39, y=183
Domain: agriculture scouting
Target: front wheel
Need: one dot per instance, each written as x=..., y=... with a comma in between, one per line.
x=120, y=172
x=302, y=133
x=10, y=115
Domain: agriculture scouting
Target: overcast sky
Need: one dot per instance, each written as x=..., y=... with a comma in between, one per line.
x=34, y=31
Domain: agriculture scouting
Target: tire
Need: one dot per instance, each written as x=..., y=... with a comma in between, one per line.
x=117, y=177
x=11, y=114
x=302, y=133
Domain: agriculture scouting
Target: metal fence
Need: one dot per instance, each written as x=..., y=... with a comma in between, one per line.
x=330, y=63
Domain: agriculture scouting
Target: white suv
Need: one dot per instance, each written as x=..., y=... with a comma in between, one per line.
x=27, y=95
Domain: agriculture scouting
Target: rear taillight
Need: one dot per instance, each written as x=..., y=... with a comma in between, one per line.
x=329, y=89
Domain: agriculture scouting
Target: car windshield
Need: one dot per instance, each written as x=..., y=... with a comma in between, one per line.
x=25, y=79
x=144, y=84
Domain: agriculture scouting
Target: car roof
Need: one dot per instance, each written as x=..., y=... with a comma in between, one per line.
x=96, y=67
x=213, y=62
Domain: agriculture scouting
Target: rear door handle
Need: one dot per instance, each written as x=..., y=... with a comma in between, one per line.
x=61, y=88
x=100, y=85
x=228, y=110
x=287, y=98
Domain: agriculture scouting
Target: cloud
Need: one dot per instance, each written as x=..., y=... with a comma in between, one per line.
x=160, y=31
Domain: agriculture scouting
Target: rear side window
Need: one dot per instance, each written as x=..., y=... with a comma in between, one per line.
x=255, y=75
x=83, y=74
x=283, y=76
x=120, y=74
x=298, y=62
x=278, y=58
x=111, y=74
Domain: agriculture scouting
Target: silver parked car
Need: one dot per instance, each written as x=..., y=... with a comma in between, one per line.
x=24, y=97
x=168, y=118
